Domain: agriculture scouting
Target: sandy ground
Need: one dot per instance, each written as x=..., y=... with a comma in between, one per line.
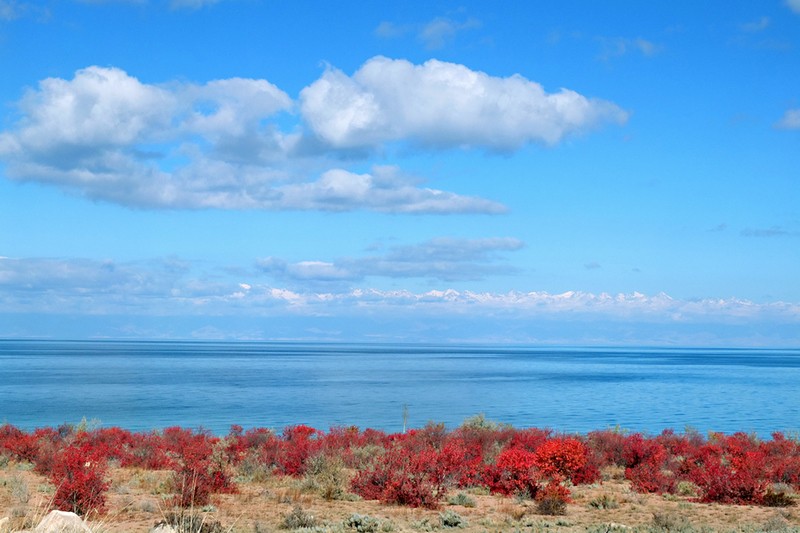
x=137, y=500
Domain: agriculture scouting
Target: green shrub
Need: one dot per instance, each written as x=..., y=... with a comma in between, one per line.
x=778, y=524
x=479, y=422
x=362, y=523
x=687, y=488
x=188, y=522
x=327, y=476
x=604, y=502
x=253, y=469
x=452, y=519
x=364, y=456
x=609, y=528
x=671, y=522
x=298, y=518
x=461, y=499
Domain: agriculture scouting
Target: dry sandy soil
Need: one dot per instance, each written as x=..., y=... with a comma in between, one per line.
x=137, y=500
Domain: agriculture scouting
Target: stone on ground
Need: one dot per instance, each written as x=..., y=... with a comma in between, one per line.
x=62, y=522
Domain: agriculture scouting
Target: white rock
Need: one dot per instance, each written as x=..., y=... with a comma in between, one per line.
x=62, y=522
x=163, y=528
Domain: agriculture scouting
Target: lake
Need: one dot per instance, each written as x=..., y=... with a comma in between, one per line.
x=151, y=385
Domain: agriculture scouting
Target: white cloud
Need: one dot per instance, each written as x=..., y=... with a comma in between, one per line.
x=794, y=5
x=235, y=105
x=12, y=10
x=382, y=190
x=176, y=292
x=442, y=30
x=658, y=307
x=434, y=34
x=619, y=46
x=790, y=120
x=444, y=258
x=390, y=30
x=91, y=286
x=757, y=25
x=107, y=135
x=439, y=104
x=8, y=10
x=99, y=108
x=774, y=231
x=191, y=4
x=113, y=1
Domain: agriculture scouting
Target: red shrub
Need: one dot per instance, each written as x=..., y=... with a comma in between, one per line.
x=561, y=458
x=415, y=479
x=48, y=443
x=431, y=436
x=608, y=446
x=514, y=472
x=487, y=441
x=199, y=471
x=235, y=445
x=728, y=478
x=638, y=450
x=463, y=462
x=783, y=460
x=530, y=439
x=374, y=437
x=554, y=490
x=299, y=443
x=650, y=477
x=148, y=450
x=17, y=444
x=646, y=465
x=79, y=476
x=340, y=441
x=675, y=445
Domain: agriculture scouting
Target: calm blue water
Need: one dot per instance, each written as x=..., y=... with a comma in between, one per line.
x=148, y=385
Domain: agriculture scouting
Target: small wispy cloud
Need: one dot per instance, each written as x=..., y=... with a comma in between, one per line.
x=445, y=259
x=774, y=231
x=390, y=30
x=434, y=34
x=612, y=47
x=794, y=5
x=9, y=10
x=191, y=4
x=113, y=1
x=592, y=265
x=173, y=4
x=790, y=120
x=442, y=31
x=12, y=10
x=755, y=26
x=719, y=228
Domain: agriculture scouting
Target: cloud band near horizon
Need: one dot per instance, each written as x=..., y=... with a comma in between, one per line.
x=170, y=286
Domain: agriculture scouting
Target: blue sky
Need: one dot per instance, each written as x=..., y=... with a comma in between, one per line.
x=566, y=172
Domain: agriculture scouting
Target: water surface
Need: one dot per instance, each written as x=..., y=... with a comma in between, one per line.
x=149, y=385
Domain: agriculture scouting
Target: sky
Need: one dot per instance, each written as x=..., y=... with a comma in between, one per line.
x=521, y=172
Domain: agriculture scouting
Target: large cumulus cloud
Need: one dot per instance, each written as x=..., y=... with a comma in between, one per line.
x=439, y=104
x=245, y=144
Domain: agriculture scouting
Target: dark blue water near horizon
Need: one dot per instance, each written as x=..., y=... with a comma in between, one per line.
x=143, y=385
